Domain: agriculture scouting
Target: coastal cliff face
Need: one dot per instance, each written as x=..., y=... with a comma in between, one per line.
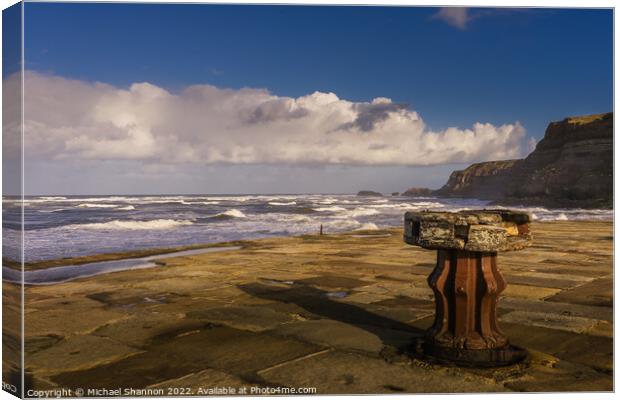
x=485, y=180
x=572, y=166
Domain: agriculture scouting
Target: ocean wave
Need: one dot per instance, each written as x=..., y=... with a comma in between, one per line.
x=330, y=209
x=232, y=213
x=54, y=210
x=297, y=218
x=52, y=198
x=368, y=226
x=393, y=205
x=277, y=203
x=127, y=208
x=96, y=205
x=134, y=225
x=556, y=217
x=241, y=199
x=329, y=201
x=197, y=202
x=362, y=212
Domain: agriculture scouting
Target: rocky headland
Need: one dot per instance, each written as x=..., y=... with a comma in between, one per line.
x=572, y=166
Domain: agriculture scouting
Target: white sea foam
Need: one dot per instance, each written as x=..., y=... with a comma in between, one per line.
x=393, y=205
x=362, y=212
x=96, y=205
x=233, y=212
x=341, y=224
x=52, y=198
x=135, y=225
x=351, y=202
x=297, y=218
x=330, y=201
x=556, y=217
x=198, y=202
x=368, y=226
x=229, y=198
x=127, y=208
x=330, y=209
x=277, y=203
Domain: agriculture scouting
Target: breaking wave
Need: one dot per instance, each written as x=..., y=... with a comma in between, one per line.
x=135, y=225
x=368, y=226
x=96, y=205
x=232, y=213
x=330, y=209
x=276, y=203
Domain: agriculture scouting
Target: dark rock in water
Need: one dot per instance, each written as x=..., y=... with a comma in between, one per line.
x=395, y=193
x=572, y=166
x=369, y=193
x=416, y=192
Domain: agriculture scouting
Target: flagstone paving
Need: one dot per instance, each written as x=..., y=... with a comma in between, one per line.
x=334, y=312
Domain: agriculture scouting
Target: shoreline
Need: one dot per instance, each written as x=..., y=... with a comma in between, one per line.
x=148, y=252
x=243, y=244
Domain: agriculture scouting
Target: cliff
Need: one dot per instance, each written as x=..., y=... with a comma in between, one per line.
x=572, y=166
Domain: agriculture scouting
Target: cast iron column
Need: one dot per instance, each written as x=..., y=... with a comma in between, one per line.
x=466, y=281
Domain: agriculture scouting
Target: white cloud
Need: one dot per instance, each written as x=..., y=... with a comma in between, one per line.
x=455, y=16
x=203, y=124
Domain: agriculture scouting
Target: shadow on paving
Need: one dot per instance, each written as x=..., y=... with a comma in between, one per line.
x=192, y=349
x=316, y=302
x=237, y=352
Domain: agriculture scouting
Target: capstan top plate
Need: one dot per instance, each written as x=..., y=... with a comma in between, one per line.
x=471, y=230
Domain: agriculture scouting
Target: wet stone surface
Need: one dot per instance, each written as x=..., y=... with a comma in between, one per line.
x=261, y=317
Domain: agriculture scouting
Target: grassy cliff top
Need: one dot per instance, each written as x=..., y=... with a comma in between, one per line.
x=586, y=119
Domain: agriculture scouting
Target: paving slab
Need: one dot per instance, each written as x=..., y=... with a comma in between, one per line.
x=593, y=351
x=529, y=292
x=201, y=382
x=179, y=353
x=330, y=333
x=251, y=318
x=566, y=309
x=78, y=352
x=339, y=372
x=568, y=323
x=595, y=293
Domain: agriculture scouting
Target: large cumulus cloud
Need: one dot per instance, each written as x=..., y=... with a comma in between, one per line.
x=204, y=124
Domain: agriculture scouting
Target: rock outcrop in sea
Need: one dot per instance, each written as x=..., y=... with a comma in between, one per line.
x=417, y=192
x=572, y=166
x=369, y=193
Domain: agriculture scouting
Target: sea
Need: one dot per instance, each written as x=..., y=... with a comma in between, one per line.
x=69, y=226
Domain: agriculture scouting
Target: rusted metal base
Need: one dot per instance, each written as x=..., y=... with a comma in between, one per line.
x=467, y=285
x=506, y=355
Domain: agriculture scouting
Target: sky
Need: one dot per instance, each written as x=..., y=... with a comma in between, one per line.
x=139, y=98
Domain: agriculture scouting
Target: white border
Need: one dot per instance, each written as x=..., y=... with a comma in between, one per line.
x=468, y=3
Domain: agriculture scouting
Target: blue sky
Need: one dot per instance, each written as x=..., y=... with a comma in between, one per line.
x=496, y=66
x=530, y=65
